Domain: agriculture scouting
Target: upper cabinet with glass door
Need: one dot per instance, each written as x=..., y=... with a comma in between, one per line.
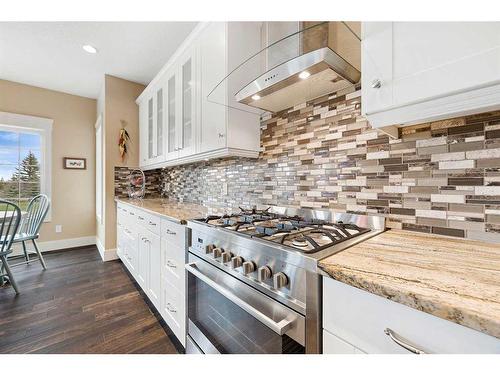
x=151, y=132
x=188, y=105
x=187, y=126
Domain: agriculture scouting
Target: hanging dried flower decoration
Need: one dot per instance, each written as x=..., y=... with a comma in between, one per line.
x=122, y=141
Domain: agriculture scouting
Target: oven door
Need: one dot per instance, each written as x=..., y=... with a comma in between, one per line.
x=225, y=315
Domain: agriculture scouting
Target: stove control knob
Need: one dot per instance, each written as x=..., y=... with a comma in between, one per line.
x=280, y=280
x=264, y=273
x=216, y=253
x=226, y=257
x=236, y=262
x=209, y=249
x=248, y=267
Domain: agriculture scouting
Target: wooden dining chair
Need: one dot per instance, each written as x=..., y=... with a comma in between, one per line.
x=10, y=217
x=30, y=226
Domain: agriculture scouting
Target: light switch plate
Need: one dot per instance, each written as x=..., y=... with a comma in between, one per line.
x=58, y=228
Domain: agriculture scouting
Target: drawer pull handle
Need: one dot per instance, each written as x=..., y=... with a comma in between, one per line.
x=151, y=223
x=171, y=232
x=170, y=264
x=401, y=342
x=140, y=217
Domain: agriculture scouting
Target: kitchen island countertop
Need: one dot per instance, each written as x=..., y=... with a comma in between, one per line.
x=454, y=279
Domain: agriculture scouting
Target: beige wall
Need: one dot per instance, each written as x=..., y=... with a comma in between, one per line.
x=117, y=102
x=73, y=192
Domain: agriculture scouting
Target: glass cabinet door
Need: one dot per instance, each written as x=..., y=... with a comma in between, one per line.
x=150, y=129
x=187, y=104
x=171, y=116
x=159, y=123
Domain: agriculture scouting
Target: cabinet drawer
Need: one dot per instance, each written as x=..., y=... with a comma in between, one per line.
x=173, y=259
x=173, y=310
x=334, y=345
x=361, y=319
x=131, y=215
x=142, y=218
x=153, y=223
x=173, y=232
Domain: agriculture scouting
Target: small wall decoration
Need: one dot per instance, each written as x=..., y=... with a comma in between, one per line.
x=122, y=140
x=75, y=163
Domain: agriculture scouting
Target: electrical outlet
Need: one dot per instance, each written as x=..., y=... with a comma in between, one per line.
x=224, y=188
x=58, y=228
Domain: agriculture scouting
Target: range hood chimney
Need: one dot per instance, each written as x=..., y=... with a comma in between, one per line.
x=325, y=58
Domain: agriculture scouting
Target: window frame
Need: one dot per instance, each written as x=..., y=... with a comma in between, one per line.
x=43, y=127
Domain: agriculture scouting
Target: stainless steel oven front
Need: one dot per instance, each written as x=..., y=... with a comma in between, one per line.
x=226, y=315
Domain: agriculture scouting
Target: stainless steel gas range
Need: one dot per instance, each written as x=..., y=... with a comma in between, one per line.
x=253, y=281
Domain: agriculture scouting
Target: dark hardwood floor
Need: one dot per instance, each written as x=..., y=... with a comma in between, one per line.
x=78, y=305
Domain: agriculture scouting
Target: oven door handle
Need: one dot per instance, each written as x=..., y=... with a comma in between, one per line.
x=280, y=327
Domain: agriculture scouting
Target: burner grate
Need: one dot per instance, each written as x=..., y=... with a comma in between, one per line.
x=306, y=235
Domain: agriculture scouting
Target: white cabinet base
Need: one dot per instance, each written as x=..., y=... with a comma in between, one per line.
x=360, y=319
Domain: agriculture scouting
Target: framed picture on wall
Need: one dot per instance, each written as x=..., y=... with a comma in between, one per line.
x=75, y=163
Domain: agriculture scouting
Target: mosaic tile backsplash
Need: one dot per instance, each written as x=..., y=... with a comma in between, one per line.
x=152, y=188
x=441, y=177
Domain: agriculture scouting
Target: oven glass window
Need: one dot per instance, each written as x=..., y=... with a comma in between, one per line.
x=230, y=328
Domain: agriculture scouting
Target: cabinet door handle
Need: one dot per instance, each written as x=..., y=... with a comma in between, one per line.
x=140, y=217
x=402, y=342
x=171, y=232
x=170, y=308
x=151, y=223
x=131, y=213
x=170, y=264
x=221, y=135
x=376, y=83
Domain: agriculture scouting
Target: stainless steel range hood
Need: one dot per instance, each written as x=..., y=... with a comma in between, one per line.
x=301, y=61
x=323, y=72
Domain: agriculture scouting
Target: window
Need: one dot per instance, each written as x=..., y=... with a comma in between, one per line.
x=24, y=158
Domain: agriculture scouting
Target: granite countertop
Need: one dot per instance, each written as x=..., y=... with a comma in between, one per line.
x=173, y=210
x=453, y=279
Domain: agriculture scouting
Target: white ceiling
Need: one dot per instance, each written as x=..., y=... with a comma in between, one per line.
x=50, y=54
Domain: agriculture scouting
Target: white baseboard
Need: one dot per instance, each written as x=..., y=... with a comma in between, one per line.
x=106, y=255
x=47, y=246
x=68, y=243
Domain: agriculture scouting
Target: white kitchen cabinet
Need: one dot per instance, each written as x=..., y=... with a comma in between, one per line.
x=143, y=260
x=360, y=319
x=415, y=72
x=188, y=102
x=173, y=274
x=196, y=126
x=154, y=251
x=173, y=310
x=148, y=259
x=151, y=132
x=228, y=127
x=171, y=127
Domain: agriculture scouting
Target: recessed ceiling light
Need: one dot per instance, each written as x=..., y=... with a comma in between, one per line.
x=305, y=74
x=90, y=49
x=255, y=97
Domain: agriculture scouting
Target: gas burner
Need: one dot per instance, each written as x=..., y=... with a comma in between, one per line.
x=299, y=241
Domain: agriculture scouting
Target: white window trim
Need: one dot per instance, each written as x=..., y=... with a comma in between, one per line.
x=42, y=126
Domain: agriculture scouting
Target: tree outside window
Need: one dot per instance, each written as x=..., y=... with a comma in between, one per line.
x=20, y=160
